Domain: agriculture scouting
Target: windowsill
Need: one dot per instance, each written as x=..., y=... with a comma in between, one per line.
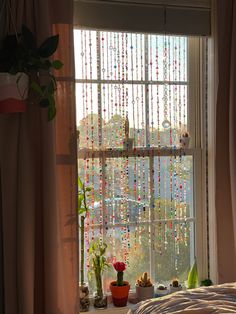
x=111, y=309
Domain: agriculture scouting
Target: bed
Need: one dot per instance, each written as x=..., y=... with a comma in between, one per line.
x=215, y=299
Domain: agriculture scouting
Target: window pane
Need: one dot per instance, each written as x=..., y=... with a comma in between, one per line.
x=168, y=114
x=127, y=191
x=118, y=102
x=88, y=119
x=174, y=251
x=173, y=187
x=122, y=56
x=167, y=58
x=85, y=45
x=129, y=244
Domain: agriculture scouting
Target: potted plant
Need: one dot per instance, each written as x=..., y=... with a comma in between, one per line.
x=99, y=264
x=184, y=140
x=128, y=142
x=119, y=288
x=192, y=281
x=175, y=286
x=144, y=288
x=26, y=66
x=161, y=290
x=83, y=210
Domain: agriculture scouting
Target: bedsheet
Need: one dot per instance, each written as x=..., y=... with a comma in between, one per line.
x=204, y=300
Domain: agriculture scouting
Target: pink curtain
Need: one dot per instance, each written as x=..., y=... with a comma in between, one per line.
x=226, y=140
x=38, y=182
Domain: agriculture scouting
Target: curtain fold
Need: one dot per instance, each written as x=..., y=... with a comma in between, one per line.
x=38, y=194
x=225, y=161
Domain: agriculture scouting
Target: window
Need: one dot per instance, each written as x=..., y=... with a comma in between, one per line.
x=135, y=98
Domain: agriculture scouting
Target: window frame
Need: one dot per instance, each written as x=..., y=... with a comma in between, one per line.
x=197, y=129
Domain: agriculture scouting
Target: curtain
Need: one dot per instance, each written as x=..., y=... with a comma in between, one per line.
x=225, y=160
x=37, y=188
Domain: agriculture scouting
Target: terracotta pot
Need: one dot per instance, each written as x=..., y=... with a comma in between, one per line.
x=13, y=92
x=120, y=293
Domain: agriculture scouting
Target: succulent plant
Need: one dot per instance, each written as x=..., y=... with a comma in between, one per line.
x=175, y=283
x=144, y=281
x=161, y=287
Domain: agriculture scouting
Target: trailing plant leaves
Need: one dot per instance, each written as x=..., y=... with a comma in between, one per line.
x=192, y=281
x=57, y=64
x=37, y=88
x=28, y=38
x=51, y=111
x=80, y=183
x=49, y=46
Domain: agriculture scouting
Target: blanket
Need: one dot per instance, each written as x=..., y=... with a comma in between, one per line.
x=205, y=300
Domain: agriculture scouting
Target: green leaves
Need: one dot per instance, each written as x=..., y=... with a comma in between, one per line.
x=97, y=251
x=207, y=282
x=49, y=46
x=57, y=64
x=28, y=38
x=192, y=281
x=20, y=53
x=83, y=195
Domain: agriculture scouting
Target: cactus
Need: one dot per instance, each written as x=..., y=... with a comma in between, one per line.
x=175, y=283
x=144, y=281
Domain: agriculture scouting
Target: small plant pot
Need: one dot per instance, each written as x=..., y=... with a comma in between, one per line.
x=175, y=289
x=120, y=293
x=144, y=293
x=128, y=143
x=184, y=142
x=161, y=292
x=84, y=297
x=13, y=92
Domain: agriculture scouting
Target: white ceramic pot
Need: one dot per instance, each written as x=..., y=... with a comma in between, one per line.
x=144, y=293
x=175, y=289
x=161, y=292
x=13, y=92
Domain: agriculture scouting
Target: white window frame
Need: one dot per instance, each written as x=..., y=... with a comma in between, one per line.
x=196, y=120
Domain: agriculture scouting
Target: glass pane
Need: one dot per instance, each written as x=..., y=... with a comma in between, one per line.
x=127, y=191
x=168, y=112
x=173, y=187
x=122, y=56
x=118, y=102
x=129, y=244
x=174, y=251
x=167, y=58
x=88, y=119
x=85, y=45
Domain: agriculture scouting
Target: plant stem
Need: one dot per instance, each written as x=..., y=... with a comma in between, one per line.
x=120, y=278
x=82, y=250
x=99, y=282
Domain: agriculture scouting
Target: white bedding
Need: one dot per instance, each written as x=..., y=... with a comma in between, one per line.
x=216, y=299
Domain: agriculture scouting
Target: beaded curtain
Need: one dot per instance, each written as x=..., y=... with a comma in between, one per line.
x=141, y=204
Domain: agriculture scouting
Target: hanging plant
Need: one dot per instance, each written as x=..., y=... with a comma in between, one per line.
x=20, y=56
